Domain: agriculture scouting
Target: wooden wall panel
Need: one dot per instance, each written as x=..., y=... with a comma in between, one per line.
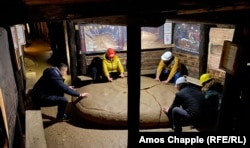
x=8, y=84
x=216, y=40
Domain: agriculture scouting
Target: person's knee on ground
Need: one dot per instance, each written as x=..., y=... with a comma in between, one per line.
x=164, y=75
x=176, y=76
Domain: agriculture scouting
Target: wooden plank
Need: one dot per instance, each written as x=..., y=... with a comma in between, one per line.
x=193, y=81
x=84, y=78
x=34, y=131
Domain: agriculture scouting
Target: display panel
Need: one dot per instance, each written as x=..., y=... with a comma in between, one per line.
x=98, y=38
x=187, y=37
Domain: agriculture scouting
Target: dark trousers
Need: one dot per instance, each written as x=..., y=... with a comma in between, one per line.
x=99, y=76
x=96, y=74
x=46, y=101
x=178, y=117
x=164, y=75
x=114, y=75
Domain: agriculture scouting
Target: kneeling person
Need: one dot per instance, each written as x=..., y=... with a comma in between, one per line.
x=112, y=66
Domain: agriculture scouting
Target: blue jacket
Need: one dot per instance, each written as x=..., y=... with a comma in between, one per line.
x=51, y=83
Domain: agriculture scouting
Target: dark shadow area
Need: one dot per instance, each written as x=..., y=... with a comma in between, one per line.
x=52, y=120
x=184, y=70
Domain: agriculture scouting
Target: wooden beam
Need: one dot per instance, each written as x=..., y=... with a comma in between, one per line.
x=209, y=10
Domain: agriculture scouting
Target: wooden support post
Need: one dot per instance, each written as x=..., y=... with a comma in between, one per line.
x=134, y=68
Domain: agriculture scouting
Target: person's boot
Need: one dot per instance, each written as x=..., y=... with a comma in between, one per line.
x=65, y=117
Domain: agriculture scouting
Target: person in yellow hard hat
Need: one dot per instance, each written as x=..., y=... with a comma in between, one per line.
x=206, y=77
x=169, y=68
x=212, y=89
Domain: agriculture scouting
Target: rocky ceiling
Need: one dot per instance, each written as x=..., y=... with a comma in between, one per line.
x=143, y=12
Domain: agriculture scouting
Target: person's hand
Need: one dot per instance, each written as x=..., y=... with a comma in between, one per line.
x=84, y=94
x=110, y=79
x=122, y=75
x=165, y=109
x=165, y=82
x=72, y=87
x=157, y=79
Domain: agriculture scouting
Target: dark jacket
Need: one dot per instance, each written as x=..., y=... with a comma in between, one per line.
x=190, y=99
x=51, y=83
x=213, y=94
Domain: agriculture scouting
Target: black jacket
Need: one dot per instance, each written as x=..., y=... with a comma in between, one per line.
x=190, y=99
x=51, y=83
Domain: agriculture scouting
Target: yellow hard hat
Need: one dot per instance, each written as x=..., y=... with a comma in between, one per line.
x=205, y=77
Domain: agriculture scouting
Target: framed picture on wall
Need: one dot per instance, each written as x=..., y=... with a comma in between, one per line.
x=96, y=38
x=187, y=37
x=230, y=57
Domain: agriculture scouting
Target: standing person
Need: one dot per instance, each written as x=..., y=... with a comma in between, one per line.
x=50, y=88
x=169, y=68
x=187, y=106
x=212, y=90
x=112, y=66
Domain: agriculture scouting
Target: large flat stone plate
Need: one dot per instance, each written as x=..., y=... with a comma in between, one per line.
x=107, y=102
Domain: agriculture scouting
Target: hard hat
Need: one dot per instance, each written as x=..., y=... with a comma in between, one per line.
x=167, y=56
x=110, y=52
x=180, y=80
x=205, y=77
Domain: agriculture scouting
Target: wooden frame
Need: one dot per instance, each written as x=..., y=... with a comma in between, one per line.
x=2, y=108
x=230, y=57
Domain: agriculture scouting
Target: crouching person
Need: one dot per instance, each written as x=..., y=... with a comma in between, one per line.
x=50, y=88
x=187, y=106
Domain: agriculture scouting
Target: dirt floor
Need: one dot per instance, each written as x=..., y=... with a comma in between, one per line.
x=76, y=133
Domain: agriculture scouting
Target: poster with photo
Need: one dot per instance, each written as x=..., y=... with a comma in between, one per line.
x=167, y=33
x=187, y=37
x=152, y=37
x=98, y=38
